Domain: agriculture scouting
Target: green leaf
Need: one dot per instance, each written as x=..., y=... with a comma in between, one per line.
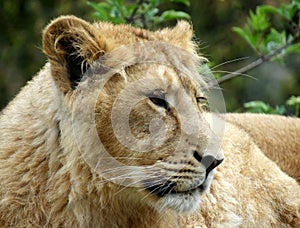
x=262, y=107
x=293, y=101
x=155, y=3
x=285, y=10
x=269, y=9
x=275, y=40
x=239, y=31
x=295, y=48
x=259, y=21
x=152, y=12
x=280, y=110
x=173, y=15
x=256, y=106
x=250, y=38
x=184, y=2
x=288, y=10
x=118, y=4
x=111, y=2
x=98, y=6
x=102, y=10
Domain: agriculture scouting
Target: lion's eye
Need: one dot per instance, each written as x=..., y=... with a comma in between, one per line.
x=201, y=99
x=203, y=103
x=158, y=97
x=161, y=102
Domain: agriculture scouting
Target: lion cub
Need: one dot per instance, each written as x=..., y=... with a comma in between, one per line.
x=113, y=132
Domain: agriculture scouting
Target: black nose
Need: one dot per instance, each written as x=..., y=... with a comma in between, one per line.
x=210, y=163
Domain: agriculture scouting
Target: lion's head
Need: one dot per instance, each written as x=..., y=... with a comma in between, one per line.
x=138, y=107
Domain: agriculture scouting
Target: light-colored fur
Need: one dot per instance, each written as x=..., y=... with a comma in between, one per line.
x=46, y=181
x=277, y=136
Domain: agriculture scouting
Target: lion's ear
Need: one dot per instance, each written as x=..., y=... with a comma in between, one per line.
x=180, y=35
x=183, y=31
x=71, y=44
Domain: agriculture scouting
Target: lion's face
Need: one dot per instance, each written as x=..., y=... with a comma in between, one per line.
x=146, y=125
x=152, y=116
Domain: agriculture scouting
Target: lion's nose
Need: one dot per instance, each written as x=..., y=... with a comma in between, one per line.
x=210, y=163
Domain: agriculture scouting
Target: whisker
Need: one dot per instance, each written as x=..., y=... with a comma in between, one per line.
x=126, y=186
x=234, y=73
x=132, y=158
x=141, y=179
x=133, y=176
x=125, y=173
x=113, y=169
x=126, y=169
x=163, y=187
x=213, y=86
x=228, y=62
x=154, y=183
x=148, y=194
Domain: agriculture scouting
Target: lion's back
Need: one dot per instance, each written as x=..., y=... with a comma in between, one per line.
x=277, y=136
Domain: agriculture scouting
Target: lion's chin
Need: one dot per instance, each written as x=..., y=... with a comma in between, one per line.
x=188, y=201
x=182, y=202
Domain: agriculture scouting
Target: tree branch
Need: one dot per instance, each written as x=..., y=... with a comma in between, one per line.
x=143, y=20
x=130, y=19
x=251, y=66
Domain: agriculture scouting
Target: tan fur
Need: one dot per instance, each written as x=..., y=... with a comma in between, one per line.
x=47, y=182
x=277, y=136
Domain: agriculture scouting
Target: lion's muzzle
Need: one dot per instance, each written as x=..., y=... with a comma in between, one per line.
x=170, y=185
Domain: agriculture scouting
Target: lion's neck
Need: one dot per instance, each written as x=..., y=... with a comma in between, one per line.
x=111, y=208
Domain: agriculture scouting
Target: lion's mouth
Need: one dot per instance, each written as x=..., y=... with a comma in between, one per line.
x=169, y=188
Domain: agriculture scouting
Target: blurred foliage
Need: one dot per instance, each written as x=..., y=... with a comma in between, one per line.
x=262, y=107
x=272, y=82
x=23, y=20
x=294, y=102
x=273, y=33
x=272, y=29
x=141, y=13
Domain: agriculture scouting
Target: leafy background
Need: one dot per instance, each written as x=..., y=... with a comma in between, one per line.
x=220, y=29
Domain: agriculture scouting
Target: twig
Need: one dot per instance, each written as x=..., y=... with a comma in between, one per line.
x=256, y=63
x=240, y=71
x=130, y=19
x=143, y=19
